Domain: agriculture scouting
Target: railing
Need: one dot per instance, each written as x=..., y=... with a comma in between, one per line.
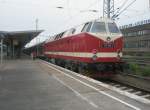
x=140, y=60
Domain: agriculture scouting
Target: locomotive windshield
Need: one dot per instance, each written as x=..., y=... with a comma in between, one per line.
x=113, y=28
x=98, y=27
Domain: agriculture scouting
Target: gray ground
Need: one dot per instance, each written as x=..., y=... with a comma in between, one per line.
x=28, y=85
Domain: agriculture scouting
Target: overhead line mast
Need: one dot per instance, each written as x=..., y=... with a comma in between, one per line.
x=110, y=12
x=108, y=8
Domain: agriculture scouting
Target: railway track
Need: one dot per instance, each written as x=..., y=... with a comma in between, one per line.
x=130, y=84
x=128, y=88
x=124, y=88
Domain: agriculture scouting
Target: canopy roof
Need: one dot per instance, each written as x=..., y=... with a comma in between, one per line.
x=22, y=37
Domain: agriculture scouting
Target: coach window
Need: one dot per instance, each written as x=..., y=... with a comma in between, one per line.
x=98, y=27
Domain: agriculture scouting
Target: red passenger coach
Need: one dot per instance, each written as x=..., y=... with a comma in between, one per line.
x=95, y=45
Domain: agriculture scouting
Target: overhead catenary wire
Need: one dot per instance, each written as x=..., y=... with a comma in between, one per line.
x=85, y=9
x=120, y=7
x=119, y=13
x=79, y=12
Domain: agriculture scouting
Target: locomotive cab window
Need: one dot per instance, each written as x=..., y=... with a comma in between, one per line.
x=98, y=27
x=87, y=27
x=113, y=28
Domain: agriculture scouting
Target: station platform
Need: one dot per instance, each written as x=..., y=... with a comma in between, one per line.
x=34, y=85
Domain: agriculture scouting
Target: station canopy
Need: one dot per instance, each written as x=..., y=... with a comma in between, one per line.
x=19, y=37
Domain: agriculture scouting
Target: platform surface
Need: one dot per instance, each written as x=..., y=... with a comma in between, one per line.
x=30, y=85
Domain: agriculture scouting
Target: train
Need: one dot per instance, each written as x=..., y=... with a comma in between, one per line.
x=94, y=47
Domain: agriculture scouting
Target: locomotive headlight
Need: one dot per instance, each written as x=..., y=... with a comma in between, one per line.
x=94, y=51
x=94, y=57
x=108, y=39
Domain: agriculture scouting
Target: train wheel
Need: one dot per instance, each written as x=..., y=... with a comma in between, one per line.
x=81, y=70
x=73, y=68
x=66, y=66
x=121, y=67
x=53, y=61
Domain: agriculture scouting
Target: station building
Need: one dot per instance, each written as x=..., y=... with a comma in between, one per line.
x=12, y=43
x=137, y=38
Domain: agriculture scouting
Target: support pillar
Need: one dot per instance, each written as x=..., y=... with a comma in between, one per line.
x=1, y=51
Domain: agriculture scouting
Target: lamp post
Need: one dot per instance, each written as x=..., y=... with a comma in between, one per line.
x=37, y=22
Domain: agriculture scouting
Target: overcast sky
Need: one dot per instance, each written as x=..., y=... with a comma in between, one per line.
x=17, y=15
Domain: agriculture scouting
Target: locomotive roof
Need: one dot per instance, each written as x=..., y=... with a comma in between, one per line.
x=103, y=19
x=95, y=20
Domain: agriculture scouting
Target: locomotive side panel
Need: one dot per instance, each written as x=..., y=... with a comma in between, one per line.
x=81, y=47
x=71, y=48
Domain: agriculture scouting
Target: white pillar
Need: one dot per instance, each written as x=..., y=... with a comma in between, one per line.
x=1, y=51
x=13, y=49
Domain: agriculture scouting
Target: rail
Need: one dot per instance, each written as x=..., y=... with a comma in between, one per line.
x=133, y=80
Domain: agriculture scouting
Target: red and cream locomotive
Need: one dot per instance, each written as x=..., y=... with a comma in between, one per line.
x=95, y=45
